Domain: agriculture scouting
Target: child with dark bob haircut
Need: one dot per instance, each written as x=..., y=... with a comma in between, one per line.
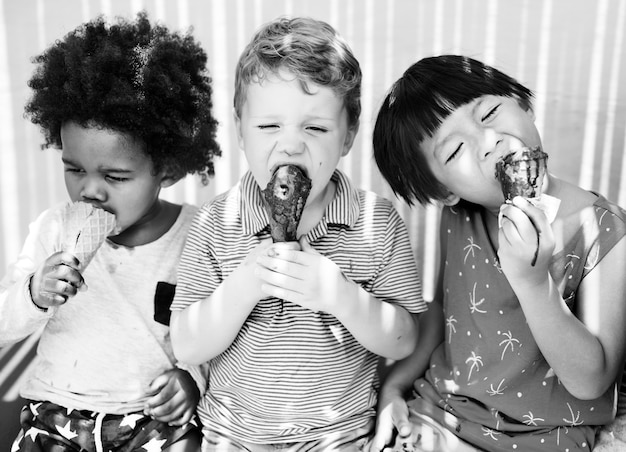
x=530, y=296
x=129, y=106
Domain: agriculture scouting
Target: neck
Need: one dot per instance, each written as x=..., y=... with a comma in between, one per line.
x=156, y=222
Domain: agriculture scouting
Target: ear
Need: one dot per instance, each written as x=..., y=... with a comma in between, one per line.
x=167, y=180
x=349, y=141
x=527, y=107
x=238, y=129
x=451, y=200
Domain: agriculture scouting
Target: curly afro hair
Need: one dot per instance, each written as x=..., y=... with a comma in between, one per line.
x=133, y=78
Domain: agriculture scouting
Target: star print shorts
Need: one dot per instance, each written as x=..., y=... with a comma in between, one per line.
x=52, y=428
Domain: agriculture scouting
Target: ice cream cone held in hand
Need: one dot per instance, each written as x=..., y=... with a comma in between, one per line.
x=521, y=173
x=86, y=227
x=285, y=197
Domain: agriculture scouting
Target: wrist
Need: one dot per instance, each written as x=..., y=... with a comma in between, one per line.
x=242, y=286
x=352, y=297
x=390, y=391
x=532, y=292
x=32, y=299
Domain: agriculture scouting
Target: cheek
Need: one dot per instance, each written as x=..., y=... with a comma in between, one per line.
x=72, y=188
x=321, y=173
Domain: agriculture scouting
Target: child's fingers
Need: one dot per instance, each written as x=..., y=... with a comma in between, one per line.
x=68, y=274
x=161, y=392
x=172, y=411
x=179, y=415
x=531, y=225
x=281, y=293
x=288, y=251
x=159, y=383
x=306, y=246
x=65, y=258
x=384, y=433
x=56, y=281
x=382, y=438
x=63, y=266
x=47, y=299
x=57, y=289
x=404, y=428
x=516, y=224
x=279, y=267
x=172, y=407
x=536, y=216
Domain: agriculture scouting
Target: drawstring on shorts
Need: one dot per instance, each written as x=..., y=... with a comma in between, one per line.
x=98, y=432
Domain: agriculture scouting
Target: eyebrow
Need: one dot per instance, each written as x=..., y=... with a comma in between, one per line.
x=439, y=145
x=477, y=104
x=103, y=169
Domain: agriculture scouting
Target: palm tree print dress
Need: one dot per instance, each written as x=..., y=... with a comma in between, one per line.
x=489, y=375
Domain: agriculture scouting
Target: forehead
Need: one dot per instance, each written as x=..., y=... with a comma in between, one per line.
x=99, y=146
x=454, y=121
x=275, y=94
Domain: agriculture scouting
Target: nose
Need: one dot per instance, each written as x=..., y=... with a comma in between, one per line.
x=92, y=190
x=492, y=141
x=291, y=142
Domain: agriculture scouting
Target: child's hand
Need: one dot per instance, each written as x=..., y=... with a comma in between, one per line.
x=56, y=280
x=245, y=276
x=526, y=241
x=176, y=397
x=393, y=415
x=303, y=277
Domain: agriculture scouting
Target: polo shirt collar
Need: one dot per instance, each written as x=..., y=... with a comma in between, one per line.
x=342, y=210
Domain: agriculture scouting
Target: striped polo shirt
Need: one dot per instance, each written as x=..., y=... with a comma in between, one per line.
x=292, y=374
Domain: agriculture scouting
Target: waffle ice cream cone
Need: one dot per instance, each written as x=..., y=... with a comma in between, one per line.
x=86, y=227
x=521, y=173
x=285, y=197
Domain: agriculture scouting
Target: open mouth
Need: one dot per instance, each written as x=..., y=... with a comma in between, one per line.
x=296, y=165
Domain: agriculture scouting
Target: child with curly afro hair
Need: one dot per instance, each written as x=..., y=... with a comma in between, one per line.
x=129, y=105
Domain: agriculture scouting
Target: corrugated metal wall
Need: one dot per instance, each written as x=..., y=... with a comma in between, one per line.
x=570, y=52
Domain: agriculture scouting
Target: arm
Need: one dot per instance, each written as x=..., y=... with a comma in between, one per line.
x=207, y=327
x=588, y=351
x=393, y=412
x=174, y=397
x=34, y=268
x=377, y=314
x=392, y=408
x=384, y=328
x=19, y=317
x=317, y=283
x=403, y=373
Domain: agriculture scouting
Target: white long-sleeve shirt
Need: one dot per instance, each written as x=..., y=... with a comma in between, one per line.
x=101, y=349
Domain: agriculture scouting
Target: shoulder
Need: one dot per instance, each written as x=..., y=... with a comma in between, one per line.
x=188, y=210
x=373, y=201
x=49, y=224
x=609, y=221
x=187, y=214
x=219, y=205
x=609, y=212
x=52, y=214
x=377, y=210
x=219, y=214
x=574, y=199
